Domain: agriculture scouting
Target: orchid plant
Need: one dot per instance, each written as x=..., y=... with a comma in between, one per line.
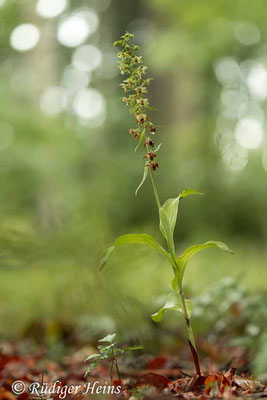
x=136, y=87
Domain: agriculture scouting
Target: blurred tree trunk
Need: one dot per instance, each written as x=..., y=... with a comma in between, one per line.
x=43, y=59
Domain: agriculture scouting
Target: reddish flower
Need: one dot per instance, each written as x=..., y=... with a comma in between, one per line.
x=141, y=118
x=154, y=165
x=149, y=142
x=150, y=155
x=134, y=132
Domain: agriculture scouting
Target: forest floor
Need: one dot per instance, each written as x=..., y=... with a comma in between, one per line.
x=144, y=377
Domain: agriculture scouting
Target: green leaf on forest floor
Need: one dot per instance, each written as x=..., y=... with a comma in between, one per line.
x=109, y=351
x=93, y=365
x=92, y=356
x=132, y=348
x=108, y=339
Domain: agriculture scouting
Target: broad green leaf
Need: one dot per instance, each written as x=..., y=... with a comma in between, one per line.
x=171, y=207
x=168, y=217
x=91, y=356
x=188, y=192
x=140, y=139
x=143, y=179
x=142, y=239
x=165, y=229
x=190, y=252
x=109, y=338
x=174, y=303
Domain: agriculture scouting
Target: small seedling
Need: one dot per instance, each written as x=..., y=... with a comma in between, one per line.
x=136, y=87
x=108, y=350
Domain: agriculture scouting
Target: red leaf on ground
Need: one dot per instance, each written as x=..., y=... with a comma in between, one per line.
x=157, y=363
x=186, y=385
x=158, y=381
x=5, y=395
x=5, y=359
x=117, y=382
x=217, y=379
x=230, y=374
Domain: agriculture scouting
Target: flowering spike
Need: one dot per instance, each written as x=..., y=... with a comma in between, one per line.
x=135, y=87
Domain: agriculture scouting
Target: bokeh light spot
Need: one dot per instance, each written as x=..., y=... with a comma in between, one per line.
x=251, y=110
x=89, y=104
x=75, y=29
x=255, y=75
x=233, y=99
x=50, y=8
x=249, y=133
x=247, y=33
x=53, y=100
x=24, y=37
x=234, y=156
x=87, y=58
x=226, y=70
x=74, y=80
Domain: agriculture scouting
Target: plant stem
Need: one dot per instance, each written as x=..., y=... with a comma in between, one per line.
x=155, y=190
x=190, y=334
x=118, y=371
x=111, y=371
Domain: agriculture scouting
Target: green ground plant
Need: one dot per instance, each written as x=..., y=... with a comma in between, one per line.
x=108, y=350
x=136, y=88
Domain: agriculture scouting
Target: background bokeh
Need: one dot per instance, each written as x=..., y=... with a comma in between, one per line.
x=68, y=171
